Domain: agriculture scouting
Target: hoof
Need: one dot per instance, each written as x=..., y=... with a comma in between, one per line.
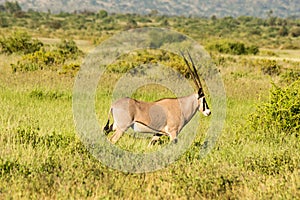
x=175, y=140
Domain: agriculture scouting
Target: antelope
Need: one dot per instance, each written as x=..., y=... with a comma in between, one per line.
x=162, y=117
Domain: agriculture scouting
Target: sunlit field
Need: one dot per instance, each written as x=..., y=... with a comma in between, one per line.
x=42, y=157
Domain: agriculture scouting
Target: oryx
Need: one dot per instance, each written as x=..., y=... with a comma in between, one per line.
x=163, y=117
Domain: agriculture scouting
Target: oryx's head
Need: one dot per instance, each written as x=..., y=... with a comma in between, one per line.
x=202, y=104
x=203, y=107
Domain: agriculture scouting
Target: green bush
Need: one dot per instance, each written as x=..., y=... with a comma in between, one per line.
x=69, y=49
x=269, y=67
x=38, y=60
x=130, y=61
x=290, y=76
x=295, y=32
x=283, y=31
x=49, y=95
x=51, y=60
x=281, y=114
x=102, y=14
x=55, y=24
x=271, y=164
x=4, y=22
x=159, y=39
x=234, y=48
x=30, y=136
x=19, y=42
x=70, y=69
x=253, y=49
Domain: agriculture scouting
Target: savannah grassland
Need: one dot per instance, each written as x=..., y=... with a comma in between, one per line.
x=41, y=156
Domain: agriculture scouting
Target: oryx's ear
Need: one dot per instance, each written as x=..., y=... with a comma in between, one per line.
x=200, y=93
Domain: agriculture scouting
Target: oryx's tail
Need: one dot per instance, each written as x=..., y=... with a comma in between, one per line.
x=108, y=128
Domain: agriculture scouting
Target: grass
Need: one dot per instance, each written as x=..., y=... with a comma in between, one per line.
x=41, y=156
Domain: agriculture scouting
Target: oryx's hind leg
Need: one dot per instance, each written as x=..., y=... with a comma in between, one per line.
x=116, y=136
x=154, y=139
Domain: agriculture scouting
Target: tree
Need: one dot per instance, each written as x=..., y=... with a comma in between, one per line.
x=270, y=13
x=102, y=14
x=2, y=8
x=153, y=13
x=3, y=22
x=283, y=31
x=165, y=23
x=12, y=7
x=131, y=24
x=295, y=32
x=272, y=21
x=213, y=17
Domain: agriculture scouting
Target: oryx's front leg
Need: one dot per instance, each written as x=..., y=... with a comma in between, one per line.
x=173, y=136
x=172, y=132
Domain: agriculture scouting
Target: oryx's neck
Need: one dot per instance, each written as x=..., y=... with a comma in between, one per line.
x=189, y=105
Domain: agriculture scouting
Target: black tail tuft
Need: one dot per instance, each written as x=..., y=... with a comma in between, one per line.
x=107, y=128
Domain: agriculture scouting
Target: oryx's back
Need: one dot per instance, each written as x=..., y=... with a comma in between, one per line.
x=153, y=115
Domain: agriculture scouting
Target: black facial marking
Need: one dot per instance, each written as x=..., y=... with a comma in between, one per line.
x=200, y=93
x=205, y=105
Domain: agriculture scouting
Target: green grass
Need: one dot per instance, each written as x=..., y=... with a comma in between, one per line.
x=41, y=156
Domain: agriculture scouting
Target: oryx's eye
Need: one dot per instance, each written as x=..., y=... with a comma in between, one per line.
x=201, y=95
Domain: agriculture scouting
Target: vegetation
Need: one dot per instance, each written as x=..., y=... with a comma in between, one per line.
x=234, y=48
x=282, y=8
x=20, y=42
x=41, y=156
x=37, y=56
x=281, y=114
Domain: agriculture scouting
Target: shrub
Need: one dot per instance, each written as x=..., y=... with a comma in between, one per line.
x=70, y=69
x=290, y=76
x=30, y=136
x=49, y=95
x=234, y=48
x=3, y=22
x=55, y=24
x=269, y=67
x=38, y=60
x=20, y=42
x=102, y=14
x=130, y=61
x=283, y=31
x=253, y=49
x=271, y=164
x=159, y=39
x=281, y=114
x=69, y=49
x=53, y=60
x=295, y=32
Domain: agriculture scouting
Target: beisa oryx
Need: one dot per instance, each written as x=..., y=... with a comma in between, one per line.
x=163, y=117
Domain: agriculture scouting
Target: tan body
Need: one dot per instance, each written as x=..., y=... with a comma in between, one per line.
x=166, y=116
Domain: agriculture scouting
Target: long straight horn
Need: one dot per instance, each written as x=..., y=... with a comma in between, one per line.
x=191, y=71
x=195, y=70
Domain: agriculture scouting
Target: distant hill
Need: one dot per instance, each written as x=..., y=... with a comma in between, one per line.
x=207, y=8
